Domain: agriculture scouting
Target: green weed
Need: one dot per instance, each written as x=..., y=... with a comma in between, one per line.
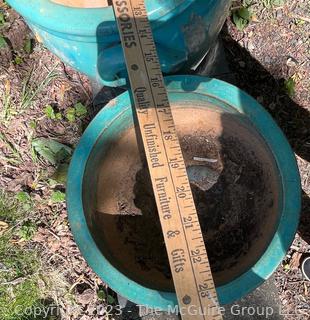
x=14, y=157
x=3, y=43
x=30, y=90
x=28, y=46
x=77, y=111
x=273, y=3
x=58, y=197
x=242, y=17
x=52, y=150
x=18, y=60
x=2, y=19
x=289, y=86
x=51, y=113
x=27, y=230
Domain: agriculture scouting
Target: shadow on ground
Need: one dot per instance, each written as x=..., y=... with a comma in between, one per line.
x=293, y=119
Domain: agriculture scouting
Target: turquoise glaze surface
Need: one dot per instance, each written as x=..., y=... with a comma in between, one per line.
x=117, y=117
x=88, y=40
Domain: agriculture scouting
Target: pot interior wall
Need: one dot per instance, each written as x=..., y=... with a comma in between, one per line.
x=238, y=201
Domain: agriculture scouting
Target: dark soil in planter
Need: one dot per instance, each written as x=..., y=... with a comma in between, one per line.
x=229, y=208
x=236, y=199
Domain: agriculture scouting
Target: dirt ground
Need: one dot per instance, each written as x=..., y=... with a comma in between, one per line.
x=272, y=50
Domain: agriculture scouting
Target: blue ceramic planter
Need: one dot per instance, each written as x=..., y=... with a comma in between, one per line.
x=116, y=117
x=88, y=40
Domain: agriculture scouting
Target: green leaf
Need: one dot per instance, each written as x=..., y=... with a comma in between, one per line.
x=242, y=18
x=49, y=111
x=28, y=46
x=51, y=150
x=110, y=299
x=23, y=196
x=70, y=114
x=63, y=155
x=2, y=19
x=277, y=3
x=58, y=196
x=58, y=116
x=26, y=206
x=60, y=175
x=101, y=294
x=244, y=13
x=247, y=3
x=27, y=230
x=33, y=124
x=80, y=109
x=289, y=86
x=42, y=148
x=51, y=114
x=3, y=43
x=18, y=60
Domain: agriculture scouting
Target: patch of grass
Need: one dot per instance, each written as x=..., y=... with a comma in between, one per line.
x=27, y=230
x=17, y=260
x=273, y=3
x=30, y=91
x=19, y=264
x=17, y=301
x=7, y=107
x=28, y=286
x=14, y=158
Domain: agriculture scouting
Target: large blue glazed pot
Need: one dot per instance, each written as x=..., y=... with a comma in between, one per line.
x=187, y=94
x=88, y=40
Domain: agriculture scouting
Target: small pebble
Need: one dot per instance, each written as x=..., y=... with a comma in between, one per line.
x=251, y=46
x=279, y=14
x=86, y=297
x=268, y=60
x=291, y=62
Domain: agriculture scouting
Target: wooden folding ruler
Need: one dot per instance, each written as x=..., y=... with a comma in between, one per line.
x=187, y=254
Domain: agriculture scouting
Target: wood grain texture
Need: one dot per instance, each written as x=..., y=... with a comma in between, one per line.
x=83, y=3
x=184, y=242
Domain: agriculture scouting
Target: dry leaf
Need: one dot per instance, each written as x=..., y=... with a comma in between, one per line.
x=3, y=226
x=254, y=18
x=295, y=261
x=7, y=87
x=63, y=89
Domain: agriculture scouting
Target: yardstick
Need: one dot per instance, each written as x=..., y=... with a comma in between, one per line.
x=186, y=250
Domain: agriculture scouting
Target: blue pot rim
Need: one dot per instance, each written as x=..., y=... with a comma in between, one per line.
x=85, y=21
x=289, y=175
